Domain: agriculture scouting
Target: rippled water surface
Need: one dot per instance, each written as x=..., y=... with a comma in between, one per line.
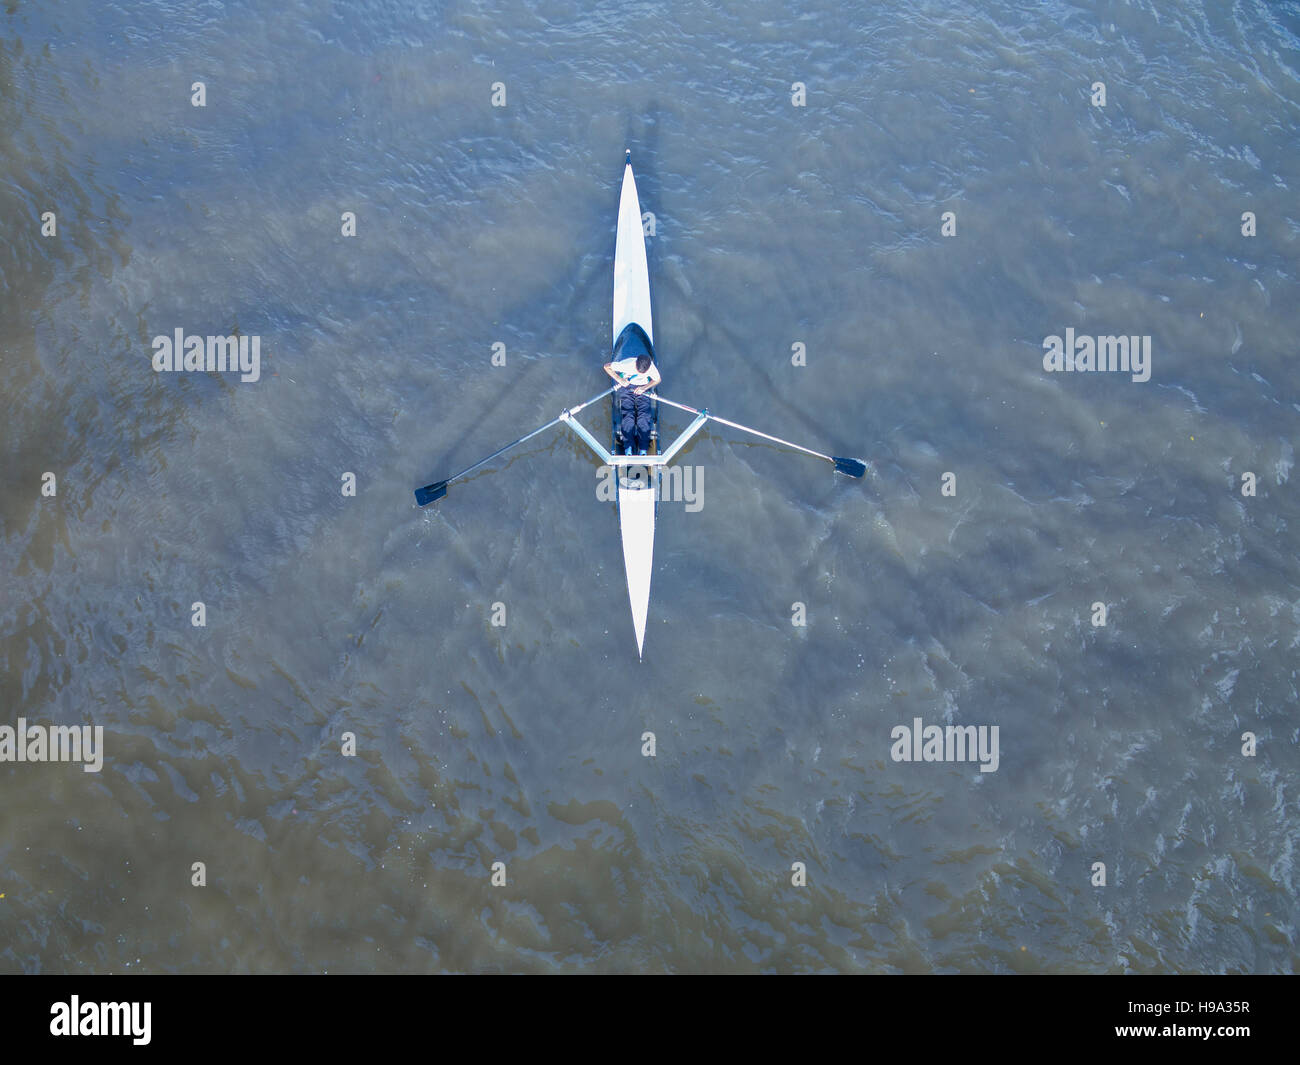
x=522, y=744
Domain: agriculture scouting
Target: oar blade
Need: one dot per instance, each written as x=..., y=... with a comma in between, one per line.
x=853, y=467
x=426, y=495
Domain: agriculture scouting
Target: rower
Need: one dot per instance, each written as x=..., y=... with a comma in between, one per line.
x=635, y=377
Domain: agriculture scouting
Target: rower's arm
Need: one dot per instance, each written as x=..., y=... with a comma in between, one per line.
x=652, y=383
x=609, y=369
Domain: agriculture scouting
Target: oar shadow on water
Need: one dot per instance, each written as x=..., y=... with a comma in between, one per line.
x=443, y=463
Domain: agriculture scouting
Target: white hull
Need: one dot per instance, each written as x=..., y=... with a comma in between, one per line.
x=636, y=521
x=636, y=498
x=631, y=275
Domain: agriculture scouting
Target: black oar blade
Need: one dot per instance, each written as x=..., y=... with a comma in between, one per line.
x=426, y=495
x=853, y=467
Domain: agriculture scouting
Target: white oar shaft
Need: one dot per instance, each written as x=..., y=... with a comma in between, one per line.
x=747, y=429
x=515, y=443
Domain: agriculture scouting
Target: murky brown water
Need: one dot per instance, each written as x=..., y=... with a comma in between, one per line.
x=328, y=614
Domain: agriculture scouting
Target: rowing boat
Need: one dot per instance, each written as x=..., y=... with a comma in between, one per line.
x=633, y=334
x=638, y=475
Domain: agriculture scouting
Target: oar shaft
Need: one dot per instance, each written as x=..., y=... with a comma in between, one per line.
x=500, y=451
x=529, y=436
x=747, y=429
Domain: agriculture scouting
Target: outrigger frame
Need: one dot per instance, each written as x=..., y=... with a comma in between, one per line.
x=604, y=454
x=435, y=491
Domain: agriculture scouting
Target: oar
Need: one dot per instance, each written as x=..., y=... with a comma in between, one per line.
x=430, y=492
x=853, y=467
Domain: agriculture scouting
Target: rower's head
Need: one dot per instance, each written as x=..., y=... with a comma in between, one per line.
x=642, y=363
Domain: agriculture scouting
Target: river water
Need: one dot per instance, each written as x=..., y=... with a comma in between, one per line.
x=482, y=229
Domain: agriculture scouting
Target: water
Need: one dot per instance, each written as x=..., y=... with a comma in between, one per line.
x=522, y=744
